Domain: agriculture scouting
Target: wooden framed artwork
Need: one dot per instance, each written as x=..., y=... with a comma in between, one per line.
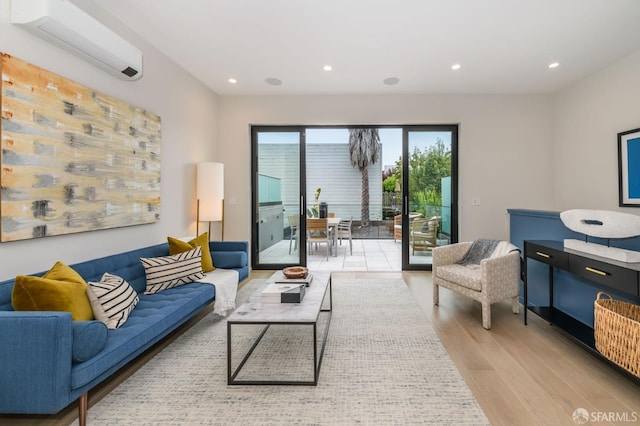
x=629, y=168
x=73, y=159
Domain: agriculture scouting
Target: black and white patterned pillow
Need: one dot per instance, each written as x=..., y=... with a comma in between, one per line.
x=112, y=300
x=172, y=271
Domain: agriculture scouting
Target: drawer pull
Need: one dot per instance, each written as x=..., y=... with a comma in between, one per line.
x=543, y=254
x=596, y=271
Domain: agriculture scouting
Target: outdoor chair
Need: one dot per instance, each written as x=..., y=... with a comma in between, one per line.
x=397, y=227
x=318, y=232
x=293, y=224
x=496, y=278
x=344, y=231
x=424, y=234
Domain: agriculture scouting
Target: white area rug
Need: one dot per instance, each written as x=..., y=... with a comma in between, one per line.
x=383, y=364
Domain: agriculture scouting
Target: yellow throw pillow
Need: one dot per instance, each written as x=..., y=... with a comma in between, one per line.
x=178, y=246
x=62, y=272
x=45, y=294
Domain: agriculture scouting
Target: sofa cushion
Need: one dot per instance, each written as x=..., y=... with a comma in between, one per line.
x=60, y=289
x=112, y=300
x=177, y=245
x=171, y=271
x=89, y=337
x=155, y=316
x=469, y=276
x=230, y=259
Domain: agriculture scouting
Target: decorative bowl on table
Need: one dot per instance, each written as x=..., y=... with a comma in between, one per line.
x=295, y=272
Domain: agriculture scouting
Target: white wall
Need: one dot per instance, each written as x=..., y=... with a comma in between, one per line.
x=521, y=151
x=505, y=147
x=188, y=112
x=588, y=117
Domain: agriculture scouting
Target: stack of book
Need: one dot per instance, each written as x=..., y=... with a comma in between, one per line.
x=283, y=293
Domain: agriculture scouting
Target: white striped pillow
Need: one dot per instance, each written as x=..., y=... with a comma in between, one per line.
x=171, y=271
x=112, y=300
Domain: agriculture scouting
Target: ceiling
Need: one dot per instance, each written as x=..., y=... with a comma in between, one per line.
x=502, y=46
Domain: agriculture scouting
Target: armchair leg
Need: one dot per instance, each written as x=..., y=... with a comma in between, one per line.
x=486, y=315
x=515, y=305
x=436, y=294
x=82, y=409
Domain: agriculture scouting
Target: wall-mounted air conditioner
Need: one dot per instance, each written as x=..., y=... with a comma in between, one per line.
x=66, y=25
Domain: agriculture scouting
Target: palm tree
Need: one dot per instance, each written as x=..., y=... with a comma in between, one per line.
x=364, y=148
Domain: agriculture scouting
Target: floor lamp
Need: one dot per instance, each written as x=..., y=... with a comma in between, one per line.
x=210, y=195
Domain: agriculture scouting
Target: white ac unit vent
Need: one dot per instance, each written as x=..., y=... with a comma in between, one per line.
x=66, y=25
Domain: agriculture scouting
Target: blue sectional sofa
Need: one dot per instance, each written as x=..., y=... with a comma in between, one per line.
x=46, y=358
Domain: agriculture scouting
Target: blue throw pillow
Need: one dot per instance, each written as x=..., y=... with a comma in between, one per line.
x=89, y=337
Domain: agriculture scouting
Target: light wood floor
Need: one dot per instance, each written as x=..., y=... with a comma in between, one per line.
x=520, y=375
x=524, y=375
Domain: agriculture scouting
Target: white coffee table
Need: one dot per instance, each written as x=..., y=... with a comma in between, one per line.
x=253, y=311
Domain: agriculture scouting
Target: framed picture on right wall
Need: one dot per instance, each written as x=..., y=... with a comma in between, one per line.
x=629, y=168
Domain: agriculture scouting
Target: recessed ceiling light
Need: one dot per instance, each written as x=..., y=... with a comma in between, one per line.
x=327, y=68
x=391, y=81
x=455, y=67
x=554, y=65
x=273, y=81
x=232, y=81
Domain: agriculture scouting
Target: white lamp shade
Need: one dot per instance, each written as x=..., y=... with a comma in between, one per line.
x=210, y=191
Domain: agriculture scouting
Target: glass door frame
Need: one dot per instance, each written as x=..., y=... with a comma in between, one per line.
x=302, y=225
x=453, y=129
x=300, y=129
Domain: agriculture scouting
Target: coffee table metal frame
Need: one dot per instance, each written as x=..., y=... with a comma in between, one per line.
x=317, y=358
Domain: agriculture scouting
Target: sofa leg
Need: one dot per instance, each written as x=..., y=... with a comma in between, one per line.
x=82, y=409
x=486, y=315
x=436, y=294
x=515, y=305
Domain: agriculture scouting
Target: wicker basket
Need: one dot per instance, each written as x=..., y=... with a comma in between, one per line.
x=617, y=331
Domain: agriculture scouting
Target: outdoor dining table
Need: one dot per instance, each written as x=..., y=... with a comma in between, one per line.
x=332, y=224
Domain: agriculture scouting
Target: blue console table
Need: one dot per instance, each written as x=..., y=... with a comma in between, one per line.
x=560, y=285
x=610, y=275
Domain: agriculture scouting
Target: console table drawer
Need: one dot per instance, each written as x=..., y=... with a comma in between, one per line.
x=613, y=276
x=547, y=255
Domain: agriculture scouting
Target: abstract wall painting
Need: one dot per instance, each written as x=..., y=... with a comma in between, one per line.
x=629, y=168
x=72, y=159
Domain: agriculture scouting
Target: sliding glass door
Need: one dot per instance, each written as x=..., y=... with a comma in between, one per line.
x=277, y=200
x=398, y=211
x=429, y=192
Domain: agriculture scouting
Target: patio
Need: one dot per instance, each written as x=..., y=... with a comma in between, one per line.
x=369, y=254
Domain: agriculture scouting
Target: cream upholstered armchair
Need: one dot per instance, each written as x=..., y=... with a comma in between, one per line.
x=496, y=278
